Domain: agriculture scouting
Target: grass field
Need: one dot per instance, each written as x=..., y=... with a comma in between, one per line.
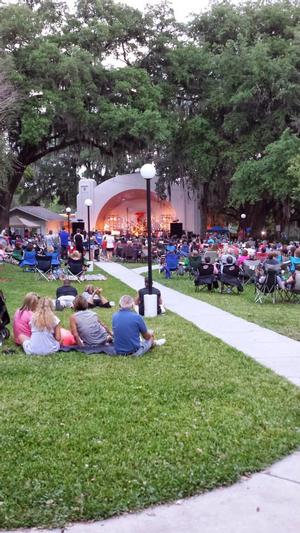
x=86, y=437
x=282, y=317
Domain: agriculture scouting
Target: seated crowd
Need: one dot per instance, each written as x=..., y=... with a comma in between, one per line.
x=229, y=265
x=38, y=330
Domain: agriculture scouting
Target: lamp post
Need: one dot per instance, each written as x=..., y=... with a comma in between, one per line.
x=243, y=219
x=68, y=211
x=148, y=172
x=88, y=203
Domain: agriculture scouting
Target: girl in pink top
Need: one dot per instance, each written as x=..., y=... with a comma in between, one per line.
x=21, y=322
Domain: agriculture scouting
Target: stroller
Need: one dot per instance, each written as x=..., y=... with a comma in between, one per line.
x=4, y=319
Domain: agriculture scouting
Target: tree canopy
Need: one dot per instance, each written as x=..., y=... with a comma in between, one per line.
x=216, y=100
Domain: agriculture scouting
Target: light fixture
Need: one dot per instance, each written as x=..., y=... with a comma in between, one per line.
x=148, y=171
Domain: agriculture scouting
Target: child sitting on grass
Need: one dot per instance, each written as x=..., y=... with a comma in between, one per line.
x=46, y=333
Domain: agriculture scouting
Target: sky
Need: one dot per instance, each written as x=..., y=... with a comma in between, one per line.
x=182, y=8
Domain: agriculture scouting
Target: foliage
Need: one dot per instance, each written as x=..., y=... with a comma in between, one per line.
x=89, y=437
x=70, y=96
x=272, y=175
x=119, y=87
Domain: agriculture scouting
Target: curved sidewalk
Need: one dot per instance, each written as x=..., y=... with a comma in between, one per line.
x=267, y=502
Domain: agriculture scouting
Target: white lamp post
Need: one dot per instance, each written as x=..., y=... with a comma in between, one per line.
x=88, y=203
x=148, y=172
x=68, y=211
x=243, y=218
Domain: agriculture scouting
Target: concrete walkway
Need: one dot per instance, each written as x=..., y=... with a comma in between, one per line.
x=269, y=348
x=268, y=502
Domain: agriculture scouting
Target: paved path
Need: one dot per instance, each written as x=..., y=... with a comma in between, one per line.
x=268, y=502
x=269, y=348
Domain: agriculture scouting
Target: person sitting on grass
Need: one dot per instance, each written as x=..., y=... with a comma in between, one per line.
x=45, y=331
x=128, y=326
x=23, y=316
x=46, y=334
x=94, y=297
x=139, y=300
x=65, y=295
x=86, y=327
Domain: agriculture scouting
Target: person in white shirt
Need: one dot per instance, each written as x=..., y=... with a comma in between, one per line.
x=110, y=243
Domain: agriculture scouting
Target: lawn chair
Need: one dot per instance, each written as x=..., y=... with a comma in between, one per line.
x=248, y=271
x=130, y=254
x=184, y=250
x=75, y=270
x=171, y=264
x=43, y=268
x=55, y=261
x=29, y=261
x=4, y=319
x=212, y=254
x=205, y=278
x=268, y=288
x=293, y=294
x=230, y=277
x=195, y=262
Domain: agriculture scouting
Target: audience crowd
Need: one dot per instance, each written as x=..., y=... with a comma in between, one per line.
x=212, y=262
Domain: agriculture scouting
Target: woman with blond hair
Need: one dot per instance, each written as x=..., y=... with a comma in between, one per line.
x=23, y=316
x=45, y=330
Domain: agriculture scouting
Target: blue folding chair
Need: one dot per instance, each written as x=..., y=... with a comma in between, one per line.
x=29, y=260
x=171, y=264
x=184, y=250
x=55, y=261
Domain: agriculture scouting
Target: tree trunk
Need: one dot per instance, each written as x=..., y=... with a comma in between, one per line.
x=5, y=202
x=7, y=193
x=257, y=218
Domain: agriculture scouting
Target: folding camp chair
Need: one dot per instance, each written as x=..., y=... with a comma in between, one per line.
x=293, y=294
x=29, y=260
x=205, y=278
x=230, y=277
x=4, y=319
x=171, y=264
x=268, y=289
x=195, y=262
x=212, y=254
x=43, y=268
x=74, y=270
x=248, y=271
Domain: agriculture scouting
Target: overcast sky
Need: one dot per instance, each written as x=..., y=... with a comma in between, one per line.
x=182, y=8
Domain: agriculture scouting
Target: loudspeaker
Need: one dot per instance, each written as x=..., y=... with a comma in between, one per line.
x=176, y=229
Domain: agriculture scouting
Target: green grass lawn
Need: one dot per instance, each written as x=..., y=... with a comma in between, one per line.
x=87, y=437
x=283, y=317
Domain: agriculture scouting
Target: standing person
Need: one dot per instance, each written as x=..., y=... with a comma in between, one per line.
x=23, y=316
x=45, y=331
x=78, y=239
x=127, y=328
x=49, y=239
x=110, y=243
x=139, y=300
x=64, y=242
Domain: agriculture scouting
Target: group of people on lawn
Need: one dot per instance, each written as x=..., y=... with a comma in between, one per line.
x=37, y=328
